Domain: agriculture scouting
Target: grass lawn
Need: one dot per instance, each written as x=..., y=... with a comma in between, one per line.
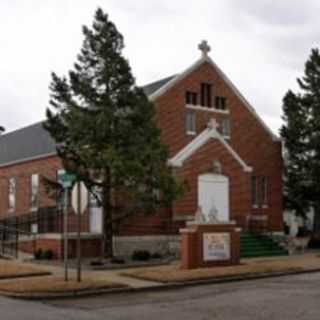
x=54, y=284
x=173, y=273
x=13, y=269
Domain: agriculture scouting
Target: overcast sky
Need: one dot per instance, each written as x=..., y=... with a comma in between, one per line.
x=261, y=45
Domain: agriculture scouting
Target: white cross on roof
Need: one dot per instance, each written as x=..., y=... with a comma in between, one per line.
x=204, y=48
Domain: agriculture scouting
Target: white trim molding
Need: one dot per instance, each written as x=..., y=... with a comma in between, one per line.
x=198, y=63
x=199, y=141
x=20, y=161
x=201, y=108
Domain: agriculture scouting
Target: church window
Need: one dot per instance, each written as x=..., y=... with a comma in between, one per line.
x=191, y=98
x=224, y=127
x=220, y=103
x=190, y=122
x=34, y=191
x=264, y=191
x=254, y=190
x=12, y=194
x=206, y=92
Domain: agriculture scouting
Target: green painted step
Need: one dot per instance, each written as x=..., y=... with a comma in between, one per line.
x=253, y=245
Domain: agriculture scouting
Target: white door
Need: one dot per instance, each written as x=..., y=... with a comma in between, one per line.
x=95, y=220
x=213, y=194
x=95, y=216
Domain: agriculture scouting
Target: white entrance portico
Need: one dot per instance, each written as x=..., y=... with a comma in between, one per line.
x=213, y=195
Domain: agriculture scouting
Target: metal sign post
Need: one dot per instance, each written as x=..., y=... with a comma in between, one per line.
x=79, y=233
x=65, y=234
x=66, y=181
x=79, y=204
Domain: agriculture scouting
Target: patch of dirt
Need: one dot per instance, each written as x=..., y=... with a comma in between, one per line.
x=173, y=273
x=55, y=285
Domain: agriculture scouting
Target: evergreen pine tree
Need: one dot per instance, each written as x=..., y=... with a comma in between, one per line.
x=105, y=130
x=301, y=134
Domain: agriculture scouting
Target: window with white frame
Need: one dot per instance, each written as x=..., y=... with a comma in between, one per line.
x=254, y=191
x=220, y=103
x=12, y=194
x=191, y=98
x=264, y=191
x=224, y=127
x=190, y=122
x=60, y=193
x=34, y=192
x=206, y=95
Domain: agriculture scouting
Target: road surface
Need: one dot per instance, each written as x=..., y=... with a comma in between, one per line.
x=291, y=297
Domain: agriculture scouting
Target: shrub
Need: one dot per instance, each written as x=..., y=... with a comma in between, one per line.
x=286, y=229
x=156, y=255
x=47, y=254
x=303, y=232
x=314, y=242
x=141, y=255
x=96, y=263
x=38, y=254
x=117, y=260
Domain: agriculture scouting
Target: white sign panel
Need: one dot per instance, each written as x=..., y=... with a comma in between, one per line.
x=216, y=246
x=83, y=193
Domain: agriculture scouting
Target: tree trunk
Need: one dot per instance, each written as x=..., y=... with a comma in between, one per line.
x=316, y=219
x=107, y=218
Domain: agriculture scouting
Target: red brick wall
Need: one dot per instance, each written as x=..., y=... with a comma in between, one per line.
x=248, y=138
x=89, y=247
x=46, y=167
x=192, y=255
x=200, y=163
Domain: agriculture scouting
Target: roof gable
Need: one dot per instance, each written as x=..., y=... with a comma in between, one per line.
x=206, y=59
x=34, y=141
x=207, y=134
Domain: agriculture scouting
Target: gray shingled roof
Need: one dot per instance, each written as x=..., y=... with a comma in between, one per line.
x=34, y=141
x=154, y=86
x=26, y=143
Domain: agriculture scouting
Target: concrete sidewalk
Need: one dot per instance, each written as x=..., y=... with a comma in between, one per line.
x=143, y=282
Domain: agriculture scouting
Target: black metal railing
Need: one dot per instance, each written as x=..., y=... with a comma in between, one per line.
x=23, y=229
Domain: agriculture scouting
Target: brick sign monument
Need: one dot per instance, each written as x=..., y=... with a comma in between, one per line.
x=209, y=243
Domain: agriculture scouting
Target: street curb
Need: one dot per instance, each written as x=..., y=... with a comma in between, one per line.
x=160, y=287
x=26, y=275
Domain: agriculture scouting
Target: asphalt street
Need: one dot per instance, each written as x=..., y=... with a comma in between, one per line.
x=290, y=297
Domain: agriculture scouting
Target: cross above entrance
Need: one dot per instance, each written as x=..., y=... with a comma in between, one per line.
x=213, y=124
x=204, y=48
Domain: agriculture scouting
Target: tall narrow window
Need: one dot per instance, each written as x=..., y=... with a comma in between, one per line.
x=224, y=127
x=254, y=190
x=34, y=191
x=190, y=122
x=206, y=93
x=264, y=191
x=60, y=193
x=12, y=194
x=220, y=103
x=191, y=98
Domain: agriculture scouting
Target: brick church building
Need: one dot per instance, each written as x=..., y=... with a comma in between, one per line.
x=217, y=142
